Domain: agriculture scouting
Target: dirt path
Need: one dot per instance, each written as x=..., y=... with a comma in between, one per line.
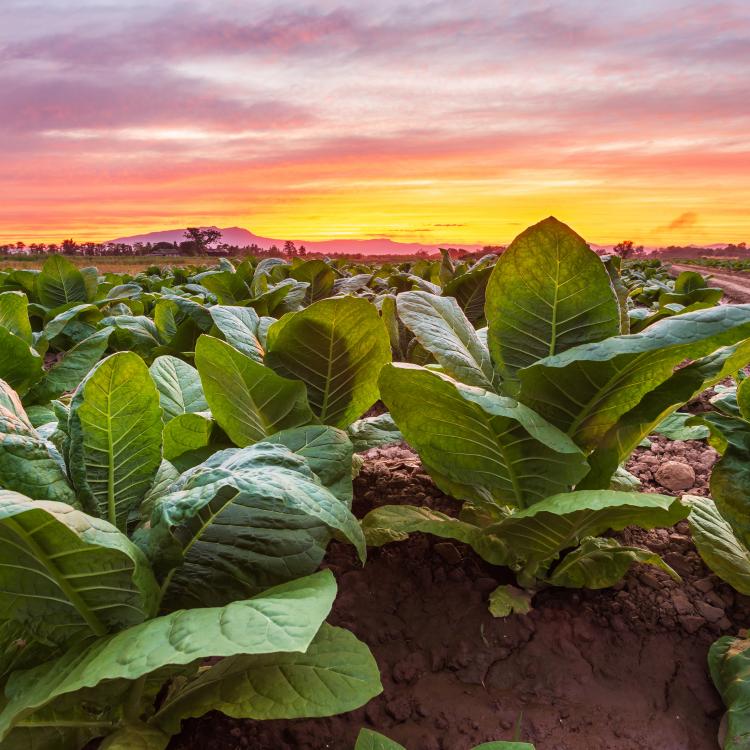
x=736, y=285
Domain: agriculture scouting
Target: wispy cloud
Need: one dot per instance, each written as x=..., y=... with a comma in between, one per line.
x=683, y=221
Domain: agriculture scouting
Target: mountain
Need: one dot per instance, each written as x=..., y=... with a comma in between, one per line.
x=243, y=237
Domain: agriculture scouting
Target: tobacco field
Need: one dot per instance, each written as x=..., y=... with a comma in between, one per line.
x=500, y=504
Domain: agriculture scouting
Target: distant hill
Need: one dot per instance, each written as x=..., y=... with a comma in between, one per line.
x=243, y=238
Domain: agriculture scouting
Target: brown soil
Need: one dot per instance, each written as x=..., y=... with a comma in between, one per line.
x=645, y=463
x=616, y=669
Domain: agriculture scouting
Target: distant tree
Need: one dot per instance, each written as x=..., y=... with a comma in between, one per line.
x=627, y=249
x=188, y=247
x=69, y=247
x=274, y=252
x=290, y=249
x=203, y=238
x=302, y=251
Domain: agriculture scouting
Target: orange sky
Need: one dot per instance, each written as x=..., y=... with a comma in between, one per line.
x=422, y=121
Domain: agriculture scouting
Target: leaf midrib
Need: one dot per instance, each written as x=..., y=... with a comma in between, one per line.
x=74, y=597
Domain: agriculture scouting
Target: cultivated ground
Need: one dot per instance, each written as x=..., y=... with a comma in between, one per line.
x=618, y=669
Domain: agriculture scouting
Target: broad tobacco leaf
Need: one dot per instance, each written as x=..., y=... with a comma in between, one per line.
x=239, y=327
x=729, y=663
x=60, y=282
x=442, y=329
x=242, y=521
x=284, y=619
x=548, y=292
x=585, y=390
x=477, y=445
x=336, y=347
x=621, y=439
x=187, y=432
x=538, y=534
x=115, y=437
x=179, y=386
x=67, y=574
x=20, y=364
x=394, y=523
x=67, y=374
x=327, y=451
x=28, y=464
x=14, y=315
x=247, y=399
x=600, y=562
x=336, y=673
x=718, y=544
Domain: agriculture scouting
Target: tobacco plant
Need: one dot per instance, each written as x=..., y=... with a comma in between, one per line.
x=528, y=421
x=120, y=576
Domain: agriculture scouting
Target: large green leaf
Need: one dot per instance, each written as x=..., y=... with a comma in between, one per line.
x=327, y=451
x=585, y=390
x=336, y=674
x=14, y=315
x=60, y=320
x=371, y=432
x=239, y=326
x=248, y=400
x=469, y=289
x=623, y=437
x=718, y=545
x=394, y=523
x=60, y=282
x=319, y=275
x=538, y=534
x=441, y=327
x=242, y=522
x=730, y=476
x=134, y=333
x=547, y=293
x=67, y=575
x=187, y=432
x=179, y=386
x=283, y=619
x=27, y=462
x=228, y=287
x=477, y=445
x=67, y=374
x=600, y=562
x=729, y=663
x=743, y=398
x=336, y=347
x=20, y=365
x=115, y=437
x=53, y=729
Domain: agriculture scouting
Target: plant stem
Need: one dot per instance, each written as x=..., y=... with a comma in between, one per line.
x=132, y=707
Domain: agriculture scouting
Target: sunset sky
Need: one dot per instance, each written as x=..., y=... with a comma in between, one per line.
x=422, y=121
